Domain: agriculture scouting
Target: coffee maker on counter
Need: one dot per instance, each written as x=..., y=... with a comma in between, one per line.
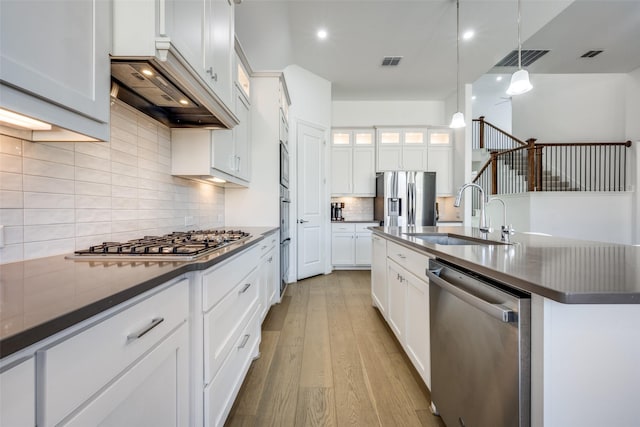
x=336, y=211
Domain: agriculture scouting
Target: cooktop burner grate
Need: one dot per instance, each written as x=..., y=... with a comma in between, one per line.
x=185, y=245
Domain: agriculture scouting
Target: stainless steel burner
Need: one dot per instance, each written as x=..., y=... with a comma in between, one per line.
x=179, y=245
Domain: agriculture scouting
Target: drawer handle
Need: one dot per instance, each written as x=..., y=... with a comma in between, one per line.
x=402, y=256
x=264, y=247
x=244, y=342
x=142, y=332
x=270, y=259
x=244, y=289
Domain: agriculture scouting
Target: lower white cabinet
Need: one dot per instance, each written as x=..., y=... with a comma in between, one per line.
x=140, y=354
x=402, y=296
x=351, y=244
x=18, y=394
x=267, y=274
x=379, y=288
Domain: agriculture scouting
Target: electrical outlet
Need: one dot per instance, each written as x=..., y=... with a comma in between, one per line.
x=188, y=221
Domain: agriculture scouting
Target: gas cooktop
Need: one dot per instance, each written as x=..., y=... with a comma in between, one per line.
x=179, y=245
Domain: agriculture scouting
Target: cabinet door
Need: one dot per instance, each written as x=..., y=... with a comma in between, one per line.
x=417, y=328
x=389, y=150
x=18, y=395
x=272, y=278
x=414, y=150
x=397, y=298
x=224, y=156
x=342, y=248
x=364, y=172
x=363, y=248
x=242, y=137
x=379, y=274
x=186, y=29
x=341, y=170
x=59, y=51
x=441, y=162
x=153, y=392
x=219, y=47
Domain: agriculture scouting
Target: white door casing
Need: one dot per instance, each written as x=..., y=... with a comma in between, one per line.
x=311, y=227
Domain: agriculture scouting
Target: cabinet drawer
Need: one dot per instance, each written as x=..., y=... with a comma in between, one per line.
x=18, y=394
x=219, y=280
x=223, y=324
x=364, y=228
x=267, y=244
x=343, y=227
x=413, y=261
x=77, y=367
x=220, y=394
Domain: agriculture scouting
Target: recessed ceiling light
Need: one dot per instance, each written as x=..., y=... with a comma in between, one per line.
x=499, y=78
x=467, y=35
x=322, y=34
x=147, y=72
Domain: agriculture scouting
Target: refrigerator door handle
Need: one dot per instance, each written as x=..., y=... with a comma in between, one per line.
x=411, y=201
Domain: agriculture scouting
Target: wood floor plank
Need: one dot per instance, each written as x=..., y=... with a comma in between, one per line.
x=275, y=318
x=316, y=407
x=316, y=357
x=427, y=419
x=279, y=401
x=406, y=375
x=246, y=405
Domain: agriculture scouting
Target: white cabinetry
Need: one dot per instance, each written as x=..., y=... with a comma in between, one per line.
x=353, y=162
x=268, y=274
x=440, y=159
x=401, y=149
x=199, y=32
x=351, y=244
x=407, y=307
x=18, y=394
x=379, y=289
x=54, y=64
x=132, y=366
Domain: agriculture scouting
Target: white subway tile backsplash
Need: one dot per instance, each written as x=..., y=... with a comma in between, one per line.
x=93, y=175
x=67, y=196
x=10, y=163
x=10, y=181
x=40, y=184
x=10, y=145
x=39, y=233
x=92, y=202
x=48, y=169
x=11, y=199
x=46, y=200
x=48, y=152
x=48, y=216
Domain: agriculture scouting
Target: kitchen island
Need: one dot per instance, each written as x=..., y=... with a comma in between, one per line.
x=585, y=316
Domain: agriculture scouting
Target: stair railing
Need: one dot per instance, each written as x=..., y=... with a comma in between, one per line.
x=486, y=135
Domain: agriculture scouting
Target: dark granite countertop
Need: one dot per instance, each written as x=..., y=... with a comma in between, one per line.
x=565, y=270
x=41, y=297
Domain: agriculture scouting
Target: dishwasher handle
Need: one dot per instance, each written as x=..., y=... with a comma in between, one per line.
x=498, y=311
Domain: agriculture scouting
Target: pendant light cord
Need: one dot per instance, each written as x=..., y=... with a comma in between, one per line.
x=519, y=42
x=458, y=55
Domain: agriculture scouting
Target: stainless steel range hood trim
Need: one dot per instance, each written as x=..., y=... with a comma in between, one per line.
x=175, y=67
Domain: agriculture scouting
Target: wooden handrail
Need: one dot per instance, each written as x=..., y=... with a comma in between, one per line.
x=483, y=123
x=582, y=144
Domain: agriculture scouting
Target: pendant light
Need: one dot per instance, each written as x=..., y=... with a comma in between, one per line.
x=457, y=121
x=520, y=79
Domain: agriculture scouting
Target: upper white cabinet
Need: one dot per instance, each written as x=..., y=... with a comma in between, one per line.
x=198, y=33
x=401, y=149
x=353, y=162
x=440, y=159
x=54, y=64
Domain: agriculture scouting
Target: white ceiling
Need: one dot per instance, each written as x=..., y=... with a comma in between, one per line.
x=277, y=33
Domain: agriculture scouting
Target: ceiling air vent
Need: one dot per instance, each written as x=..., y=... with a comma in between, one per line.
x=391, y=61
x=591, y=54
x=528, y=58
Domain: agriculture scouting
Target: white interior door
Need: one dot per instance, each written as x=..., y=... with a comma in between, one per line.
x=310, y=222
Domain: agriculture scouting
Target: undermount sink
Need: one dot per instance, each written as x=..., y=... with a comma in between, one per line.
x=447, y=239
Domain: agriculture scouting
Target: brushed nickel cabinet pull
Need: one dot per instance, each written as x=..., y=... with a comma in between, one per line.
x=244, y=342
x=243, y=290
x=136, y=335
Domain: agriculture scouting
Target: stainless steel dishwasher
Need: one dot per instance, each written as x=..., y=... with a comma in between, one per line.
x=480, y=349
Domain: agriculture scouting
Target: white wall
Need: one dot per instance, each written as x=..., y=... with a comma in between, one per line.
x=388, y=113
x=59, y=197
x=632, y=132
x=311, y=103
x=572, y=108
x=599, y=216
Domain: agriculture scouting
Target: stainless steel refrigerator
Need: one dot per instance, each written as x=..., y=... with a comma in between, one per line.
x=405, y=198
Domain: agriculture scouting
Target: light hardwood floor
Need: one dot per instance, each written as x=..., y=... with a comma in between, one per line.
x=329, y=359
